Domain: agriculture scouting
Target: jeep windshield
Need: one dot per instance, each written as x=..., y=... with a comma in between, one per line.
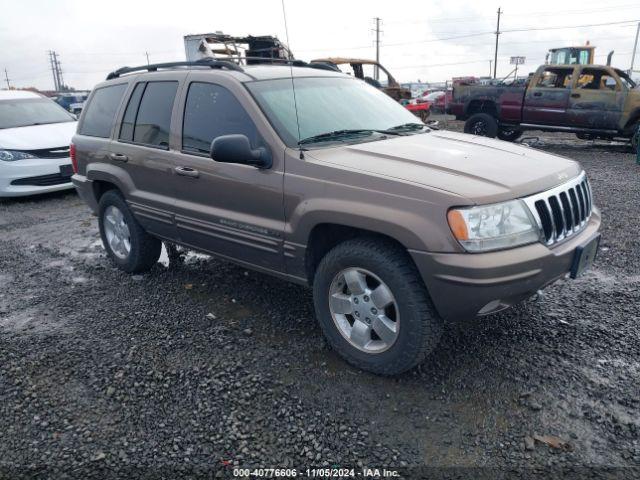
x=25, y=112
x=331, y=109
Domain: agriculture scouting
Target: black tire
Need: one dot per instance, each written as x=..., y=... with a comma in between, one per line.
x=635, y=139
x=145, y=249
x=584, y=136
x=509, y=135
x=481, y=124
x=420, y=326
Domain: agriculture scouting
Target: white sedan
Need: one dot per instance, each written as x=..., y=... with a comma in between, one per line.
x=35, y=133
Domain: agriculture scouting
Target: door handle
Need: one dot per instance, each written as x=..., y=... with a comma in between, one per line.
x=575, y=95
x=119, y=157
x=537, y=94
x=187, y=172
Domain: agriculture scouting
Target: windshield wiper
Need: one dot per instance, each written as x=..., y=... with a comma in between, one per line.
x=35, y=124
x=336, y=134
x=407, y=127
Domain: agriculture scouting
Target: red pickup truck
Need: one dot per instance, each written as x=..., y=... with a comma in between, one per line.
x=591, y=101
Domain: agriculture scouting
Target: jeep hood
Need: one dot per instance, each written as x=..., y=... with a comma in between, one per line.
x=36, y=137
x=480, y=169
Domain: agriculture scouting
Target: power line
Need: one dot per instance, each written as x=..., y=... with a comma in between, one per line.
x=478, y=34
x=519, y=30
x=533, y=29
x=538, y=13
x=503, y=43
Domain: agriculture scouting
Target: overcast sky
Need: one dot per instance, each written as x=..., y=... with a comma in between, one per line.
x=93, y=38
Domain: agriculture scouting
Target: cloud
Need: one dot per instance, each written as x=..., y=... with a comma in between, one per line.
x=419, y=40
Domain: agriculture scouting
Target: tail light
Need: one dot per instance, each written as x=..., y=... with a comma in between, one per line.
x=72, y=154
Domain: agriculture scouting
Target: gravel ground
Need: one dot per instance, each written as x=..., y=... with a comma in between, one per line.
x=199, y=365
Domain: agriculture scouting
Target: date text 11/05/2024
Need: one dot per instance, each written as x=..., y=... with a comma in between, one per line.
x=364, y=472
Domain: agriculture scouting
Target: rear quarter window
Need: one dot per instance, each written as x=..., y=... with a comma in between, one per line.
x=101, y=111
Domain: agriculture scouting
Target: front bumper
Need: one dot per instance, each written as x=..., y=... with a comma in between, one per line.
x=22, y=170
x=466, y=285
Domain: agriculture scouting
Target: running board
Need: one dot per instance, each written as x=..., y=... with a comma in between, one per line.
x=555, y=128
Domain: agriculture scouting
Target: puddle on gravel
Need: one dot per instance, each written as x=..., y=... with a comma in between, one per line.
x=164, y=257
x=605, y=281
x=30, y=322
x=187, y=256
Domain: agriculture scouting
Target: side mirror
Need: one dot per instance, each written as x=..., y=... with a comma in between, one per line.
x=237, y=149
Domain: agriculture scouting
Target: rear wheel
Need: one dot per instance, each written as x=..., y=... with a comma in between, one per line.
x=129, y=246
x=481, y=124
x=635, y=139
x=373, y=306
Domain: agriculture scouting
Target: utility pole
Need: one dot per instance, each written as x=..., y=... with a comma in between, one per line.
x=635, y=47
x=147, y=54
x=61, y=84
x=376, y=73
x=6, y=79
x=53, y=71
x=495, y=56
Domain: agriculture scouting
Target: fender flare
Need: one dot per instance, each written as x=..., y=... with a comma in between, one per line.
x=389, y=222
x=491, y=101
x=104, y=172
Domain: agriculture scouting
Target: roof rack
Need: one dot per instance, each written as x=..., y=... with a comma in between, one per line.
x=285, y=61
x=205, y=62
x=220, y=64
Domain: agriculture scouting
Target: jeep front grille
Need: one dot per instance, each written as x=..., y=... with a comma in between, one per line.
x=562, y=211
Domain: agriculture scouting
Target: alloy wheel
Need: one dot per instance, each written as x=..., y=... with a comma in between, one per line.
x=364, y=310
x=479, y=128
x=117, y=232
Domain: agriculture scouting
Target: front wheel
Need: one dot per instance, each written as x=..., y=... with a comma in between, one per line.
x=129, y=246
x=481, y=124
x=373, y=306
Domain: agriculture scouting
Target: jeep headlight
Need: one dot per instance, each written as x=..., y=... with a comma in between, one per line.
x=493, y=227
x=12, y=155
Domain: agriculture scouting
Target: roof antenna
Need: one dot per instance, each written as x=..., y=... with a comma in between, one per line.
x=293, y=86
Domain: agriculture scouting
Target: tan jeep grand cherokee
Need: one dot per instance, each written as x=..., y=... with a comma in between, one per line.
x=396, y=226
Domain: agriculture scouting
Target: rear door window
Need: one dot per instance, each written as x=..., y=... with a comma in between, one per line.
x=555, y=78
x=101, y=112
x=153, y=119
x=210, y=112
